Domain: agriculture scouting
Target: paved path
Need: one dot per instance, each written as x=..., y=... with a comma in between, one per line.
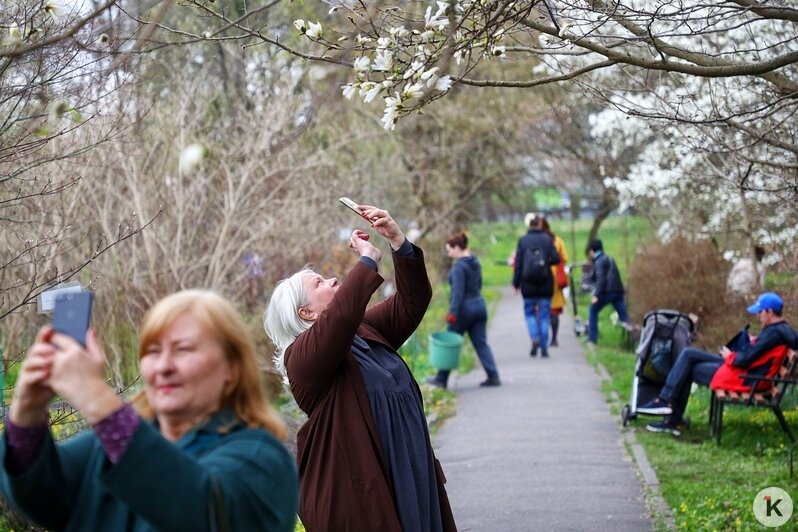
x=541, y=452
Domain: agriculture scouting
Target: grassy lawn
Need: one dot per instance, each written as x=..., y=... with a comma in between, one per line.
x=708, y=487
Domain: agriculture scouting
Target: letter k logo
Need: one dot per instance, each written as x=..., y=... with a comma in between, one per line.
x=772, y=506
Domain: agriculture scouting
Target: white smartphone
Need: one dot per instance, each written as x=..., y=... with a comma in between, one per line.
x=352, y=205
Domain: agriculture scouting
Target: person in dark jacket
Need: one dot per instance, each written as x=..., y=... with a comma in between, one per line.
x=201, y=453
x=467, y=309
x=365, y=457
x=697, y=366
x=607, y=288
x=532, y=277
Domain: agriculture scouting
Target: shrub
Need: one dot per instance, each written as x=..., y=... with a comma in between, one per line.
x=689, y=277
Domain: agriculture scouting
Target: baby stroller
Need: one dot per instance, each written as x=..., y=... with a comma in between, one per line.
x=665, y=333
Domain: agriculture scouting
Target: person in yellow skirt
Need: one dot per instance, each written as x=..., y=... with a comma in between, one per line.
x=560, y=282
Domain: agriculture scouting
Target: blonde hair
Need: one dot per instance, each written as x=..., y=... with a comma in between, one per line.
x=281, y=321
x=247, y=395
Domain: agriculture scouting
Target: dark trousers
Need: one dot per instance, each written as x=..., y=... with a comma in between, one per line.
x=616, y=300
x=691, y=366
x=473, y=319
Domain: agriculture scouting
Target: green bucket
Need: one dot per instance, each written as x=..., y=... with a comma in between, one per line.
x=444, y=349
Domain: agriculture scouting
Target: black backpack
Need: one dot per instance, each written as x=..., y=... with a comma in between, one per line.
x=536, y=269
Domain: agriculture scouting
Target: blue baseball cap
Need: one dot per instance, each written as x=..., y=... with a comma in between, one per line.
x=767, y=301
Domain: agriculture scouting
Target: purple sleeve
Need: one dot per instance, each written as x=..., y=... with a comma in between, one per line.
x=116, y=431
x=23, y=445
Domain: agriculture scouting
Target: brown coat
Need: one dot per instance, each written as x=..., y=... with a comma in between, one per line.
x=344, y=483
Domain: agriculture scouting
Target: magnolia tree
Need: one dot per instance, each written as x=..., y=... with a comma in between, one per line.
x=408, y=53
x=721, y=155
x=711, y=86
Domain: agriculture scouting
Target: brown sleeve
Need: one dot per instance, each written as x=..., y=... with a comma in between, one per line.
x=398, y=316
x=314, y=357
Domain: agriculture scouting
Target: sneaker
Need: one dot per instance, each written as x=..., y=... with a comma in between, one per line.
x=544, y=354
x=656, y=407
x=534, y=351
x=666, y=426
x=553, y=343
x=435, y=382
x=491, y=381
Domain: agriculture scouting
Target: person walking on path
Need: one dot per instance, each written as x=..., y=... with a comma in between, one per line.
x=534, y=257
x=467, y=309
x=608, y=289
x=761, y=357
x=365, y=457
x=558, y=297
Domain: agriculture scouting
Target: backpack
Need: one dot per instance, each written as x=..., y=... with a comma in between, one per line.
x=660, y=359
x=536, y=266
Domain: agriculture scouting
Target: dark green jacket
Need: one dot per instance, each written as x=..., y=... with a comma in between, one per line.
x=159, y=485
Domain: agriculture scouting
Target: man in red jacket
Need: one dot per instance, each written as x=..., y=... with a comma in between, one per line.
x=693, y=365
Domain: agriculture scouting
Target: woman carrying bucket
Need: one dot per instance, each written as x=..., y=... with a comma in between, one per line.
x=467, y=309
x=364, y=455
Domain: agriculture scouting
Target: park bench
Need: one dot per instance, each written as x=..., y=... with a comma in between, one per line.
x=770, y=397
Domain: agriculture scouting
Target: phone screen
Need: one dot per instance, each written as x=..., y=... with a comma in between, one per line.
x=72, y=315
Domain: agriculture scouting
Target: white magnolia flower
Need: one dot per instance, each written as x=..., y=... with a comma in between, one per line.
x=437, y=21
x=371, y=93
x=383, y=43
x=427, y=36
x=392, y=106
x=429, y=73
x=443, y=83
x=383, y=61
x=398, y=33
x=191, y=156
x=564, y=29
x=314, y=30
x=349, y=90
x=415, y=67
x=54, y=9
x=300, y=25
x=361, y=63
x=14, y=35
x=416, y=90
x=361, y=40
x=458, y=56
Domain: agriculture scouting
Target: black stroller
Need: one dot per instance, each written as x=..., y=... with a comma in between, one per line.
x=665, y=333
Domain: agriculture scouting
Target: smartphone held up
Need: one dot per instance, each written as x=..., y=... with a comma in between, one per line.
x=353, y=206
x=72, y=315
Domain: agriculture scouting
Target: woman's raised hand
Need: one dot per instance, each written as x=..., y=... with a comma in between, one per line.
x=386, y=226
x=32, y=393
x=359, y=242
x=78, y=375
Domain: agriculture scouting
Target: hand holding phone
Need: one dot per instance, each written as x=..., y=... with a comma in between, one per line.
x=352, y=205
x=72, y=315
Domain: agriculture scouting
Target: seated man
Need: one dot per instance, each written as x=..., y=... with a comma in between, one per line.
x=693, y=365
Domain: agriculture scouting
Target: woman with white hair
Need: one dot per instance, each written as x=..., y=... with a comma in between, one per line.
x=364, y=455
